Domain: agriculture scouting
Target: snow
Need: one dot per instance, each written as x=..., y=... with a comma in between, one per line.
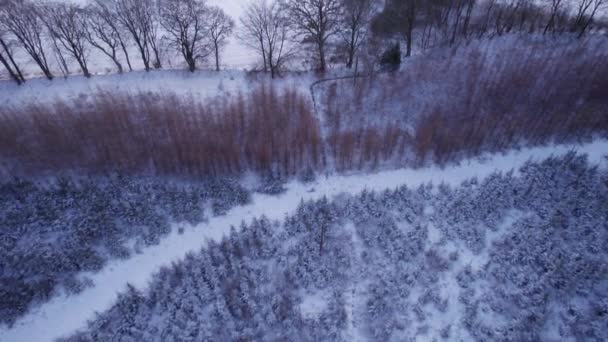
x=314, y=304
x=449, y=287
x=63, y=315
x=355, y=292
x=200, y=85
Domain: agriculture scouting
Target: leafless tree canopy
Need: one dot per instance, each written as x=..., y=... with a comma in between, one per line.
x=329, y=31
x=139, y=19
x=252, y=23
x=353, y=26
x=316, y=21
x=67, y=24
x=586, y=11
x=220, y=28
x=105, y=34
x=266, y=28
x=6, y=51
x=184, y=20
x=22, y=19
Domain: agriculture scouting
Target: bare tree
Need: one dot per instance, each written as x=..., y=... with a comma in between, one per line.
x=184, y=21
x=105, y=32
x=316, y=21
x=22, y=20
x=102, y=37
x=220, y=28
x=354, y=22
x=6, y=53
x=7, y=60
x=585, y=14
x=139, y=19
x=276, y=38
x=265, y=28
x=488, y=10
x=67, y=24
x=554, y=10
x=154, y=34
x=59, y=57
x=398, y=17
x=253, y=22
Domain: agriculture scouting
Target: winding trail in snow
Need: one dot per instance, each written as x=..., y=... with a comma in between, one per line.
x=63, y=315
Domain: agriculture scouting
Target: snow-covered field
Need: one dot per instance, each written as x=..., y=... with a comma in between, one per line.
x=64, y=315
x=200, y=84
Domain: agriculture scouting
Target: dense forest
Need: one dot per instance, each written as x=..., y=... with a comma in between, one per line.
x=517, y=256
x=52, y=231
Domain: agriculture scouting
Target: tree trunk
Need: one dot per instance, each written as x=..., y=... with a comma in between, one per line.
x=145, y=60
x=588, y=22
x=124, y=50
x=217, y=56
x=322, y=64
x=190, y=60
x=157, y=62
x=351, y=49
x=143, y=50
x=13, y=74
x=264, y=56
x=467, y=19
x=83, y=66
x=47, y=73
x=118, y=64
x=550, y=23
x=15, y=67
x=408, y=50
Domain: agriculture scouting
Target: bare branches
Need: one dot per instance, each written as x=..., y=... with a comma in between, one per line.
x=353, y=26
x=184, y=21
x=253, y=23
x=104, y=33
x=6, y=55
x=23, y=21
x=220, y=28
x=67, y=24
x=316, y=21
x=265, y=28
x=585, y=14
x=137, y=17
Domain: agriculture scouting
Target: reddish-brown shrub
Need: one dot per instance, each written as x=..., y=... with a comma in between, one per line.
x=485, y=96
x=162, y=134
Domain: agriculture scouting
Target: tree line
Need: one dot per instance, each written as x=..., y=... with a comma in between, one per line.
x=191, y=28
x=322, y=31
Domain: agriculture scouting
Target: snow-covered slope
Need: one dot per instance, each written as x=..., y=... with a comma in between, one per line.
x=64, y=315
x=200, y=85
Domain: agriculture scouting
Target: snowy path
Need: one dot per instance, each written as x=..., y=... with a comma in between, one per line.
x=63, y=315
x=355, y=291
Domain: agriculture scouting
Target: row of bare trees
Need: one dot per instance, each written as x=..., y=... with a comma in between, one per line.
x=336, y=30
x=276, y=29
x=443, y=22
x=44, y=30
x=322, y=31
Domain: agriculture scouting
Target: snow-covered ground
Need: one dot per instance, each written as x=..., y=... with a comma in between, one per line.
x=64, y=315
x=200, y=85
